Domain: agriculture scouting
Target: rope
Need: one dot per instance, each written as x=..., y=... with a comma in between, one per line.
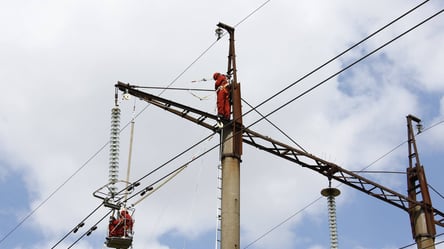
x=130, y=150
x=197, y=96
x=163, y=183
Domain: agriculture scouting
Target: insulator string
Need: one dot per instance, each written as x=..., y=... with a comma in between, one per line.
x=331, y=193
x=114, y=149
x=332, y=222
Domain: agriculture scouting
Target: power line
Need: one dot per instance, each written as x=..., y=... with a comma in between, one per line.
x=252, y=13
x=52, y=194
x=274, y=125
x=283, y=222
x=436, y=243
x=436, y=191
x=155, y=182
x=81, y=224
x=93, y=228
x=378, y=172
x=155, y=170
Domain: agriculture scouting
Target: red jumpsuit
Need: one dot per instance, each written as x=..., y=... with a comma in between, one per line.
x=122, y=226
x=223, y=95
x=127, y=221
x=115, y=228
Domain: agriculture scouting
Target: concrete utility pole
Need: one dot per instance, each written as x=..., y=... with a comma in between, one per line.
x=231, y=156
x=421, y=215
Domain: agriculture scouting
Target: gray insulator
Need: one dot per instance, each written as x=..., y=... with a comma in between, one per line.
x=332, y=222
x=114, y=149
x=331, y=193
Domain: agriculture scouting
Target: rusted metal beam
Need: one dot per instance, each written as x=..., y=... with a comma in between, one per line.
x=199, y=117
x=421, y=212
x=287, y=152
x=334, y=171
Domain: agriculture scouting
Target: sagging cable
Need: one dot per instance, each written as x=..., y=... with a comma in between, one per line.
x=151, y=189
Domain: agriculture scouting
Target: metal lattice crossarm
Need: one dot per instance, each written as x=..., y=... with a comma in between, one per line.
x=285, y=151
x=332, y=171
x=202, y=118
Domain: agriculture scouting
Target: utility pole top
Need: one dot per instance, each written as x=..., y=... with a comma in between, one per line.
x=421, y=213
x=235, y=92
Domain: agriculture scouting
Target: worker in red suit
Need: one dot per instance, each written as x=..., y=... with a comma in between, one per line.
x=127, y=222
x=115, y=229
x=122, y=226
x=223, y=95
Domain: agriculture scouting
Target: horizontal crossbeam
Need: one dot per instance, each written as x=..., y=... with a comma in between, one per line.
x=285, y=151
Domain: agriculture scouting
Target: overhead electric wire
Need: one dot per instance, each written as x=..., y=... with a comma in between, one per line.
x=252, y=13
x=155, y=170
x=283, y=222
x=78, y=226
x=436, y=243
x=94, y=227
x=274, y=125
x=52, y=194
x=436, y=191
x=378, y=172
x=432, y=126
x=124, y=199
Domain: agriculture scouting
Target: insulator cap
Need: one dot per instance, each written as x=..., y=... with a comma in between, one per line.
x=330, y=192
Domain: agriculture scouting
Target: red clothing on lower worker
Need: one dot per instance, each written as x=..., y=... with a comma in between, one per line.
x=123, y=226
x=223, y=95
x=127, y=222
x=115, y=228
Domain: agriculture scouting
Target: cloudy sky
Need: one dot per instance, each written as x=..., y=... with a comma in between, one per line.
x=59, y=61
